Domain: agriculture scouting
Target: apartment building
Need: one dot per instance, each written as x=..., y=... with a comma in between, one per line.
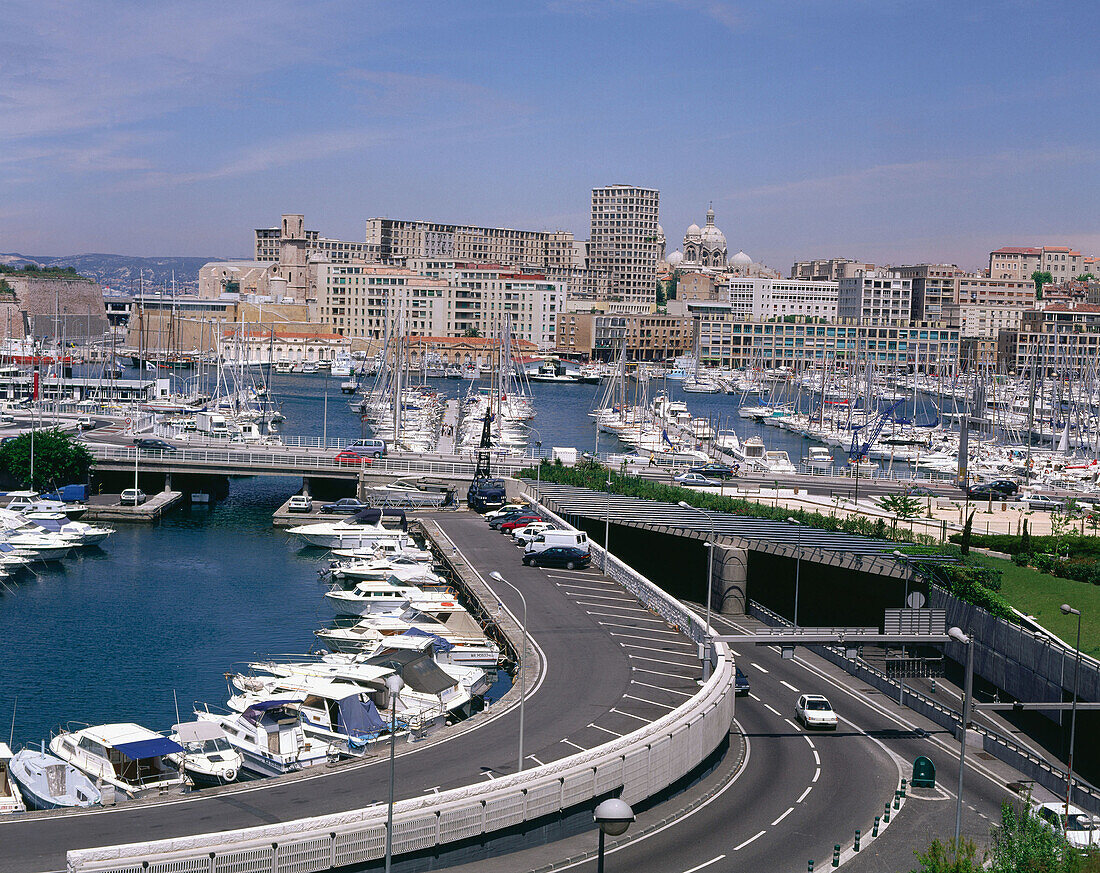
x=763, y=298
x=1064, y=340
x=933, y=289
x=828, y=269
x=1019, y=262
x=623, y=243
x=600, y=336
x=437, y=298
x=398, y=239
x=875, y=297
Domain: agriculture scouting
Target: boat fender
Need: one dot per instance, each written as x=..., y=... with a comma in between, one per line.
x=229, y=775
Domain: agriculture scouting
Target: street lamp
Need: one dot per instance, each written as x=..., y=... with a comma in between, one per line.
x=394, y=684
x=613, y=816
x=496, y=577
x=710, y=586
x=607, y=525
x=1069, y=610
x=958, y=636
x=797, y=565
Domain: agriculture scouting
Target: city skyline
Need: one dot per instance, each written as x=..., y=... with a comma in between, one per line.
x=815, y=131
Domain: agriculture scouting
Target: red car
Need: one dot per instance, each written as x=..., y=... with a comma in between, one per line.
x=352, y=458
x=515, y=523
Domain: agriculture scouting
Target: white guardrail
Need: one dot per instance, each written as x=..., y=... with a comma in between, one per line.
x=637, y=766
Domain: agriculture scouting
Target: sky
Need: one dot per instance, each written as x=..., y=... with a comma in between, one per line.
x=882, y=130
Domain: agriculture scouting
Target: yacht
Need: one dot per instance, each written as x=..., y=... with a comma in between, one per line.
x=404, y=569
x=25, y=502
x=207, y=758
x=284, y=367
x=390, y=549
x=127, y=756
x=819, y=459
x=47, y=782
x=11, y=799
x=372, y=596
x=342, y=365
x=269, y=735
x=360, y=531
x=552, y=371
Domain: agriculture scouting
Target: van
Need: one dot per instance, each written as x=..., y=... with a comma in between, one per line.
x=372, y=447
x=576, y=538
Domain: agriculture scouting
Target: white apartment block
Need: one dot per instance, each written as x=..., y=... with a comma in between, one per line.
x=441, y=298
x=985, y=320
x=875, y=297
x=623, y=242
x=398, y=238
x=1019, y=262
x=762, y=298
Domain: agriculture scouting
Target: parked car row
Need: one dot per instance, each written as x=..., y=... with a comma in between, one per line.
x=544, y=543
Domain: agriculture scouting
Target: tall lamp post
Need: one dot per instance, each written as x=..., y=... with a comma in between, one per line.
x=538, y=460
x=797, y=565
x=613, y=816
x=1069, y=610
x=710, y=579
x=394, y=684
x=607, y=525
x=957, y=635
x=496, y=577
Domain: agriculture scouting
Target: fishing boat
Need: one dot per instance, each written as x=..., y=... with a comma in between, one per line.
x=127, y=756
x=269, y=736
x=47, y=782
x=207, y=758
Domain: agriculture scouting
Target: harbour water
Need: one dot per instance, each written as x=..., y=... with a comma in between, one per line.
x=161, y=613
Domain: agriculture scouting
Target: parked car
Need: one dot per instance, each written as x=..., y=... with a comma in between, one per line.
x=526, y=534
x=505, y=509
x=151, y=444
x=300, y=503
x=1005, y=486
x=697, y=479
x=714, y=471
x=569, y=557
x=1044, y=501
x=373, y=447
x=345, y=506
x=353, y=458
x=1079, y=827
x=741, y=682
x=518, y=522
x=920, y=491
x=815, y=711
x=514, y=514
x=132, y=497
x=984, y=492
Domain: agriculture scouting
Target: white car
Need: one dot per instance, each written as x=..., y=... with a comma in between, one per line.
x=527, y=534
x=699, y=480
x=1081, y=829
x=815, y=711
x=300, y=503
x=504, y=510
x=132, y=497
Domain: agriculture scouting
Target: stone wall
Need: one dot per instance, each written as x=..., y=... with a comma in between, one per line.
x=79, y=302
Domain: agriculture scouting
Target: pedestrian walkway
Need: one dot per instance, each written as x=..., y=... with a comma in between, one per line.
x=448, y=429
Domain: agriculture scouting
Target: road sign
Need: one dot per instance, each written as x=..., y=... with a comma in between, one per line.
x=915, y=621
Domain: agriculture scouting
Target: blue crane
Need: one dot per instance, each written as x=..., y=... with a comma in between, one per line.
x=859, y=448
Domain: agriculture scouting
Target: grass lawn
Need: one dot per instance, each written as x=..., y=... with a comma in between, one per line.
x=1039, y=595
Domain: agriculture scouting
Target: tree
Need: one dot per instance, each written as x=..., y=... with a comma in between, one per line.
x=1086, y=277
x=964, y=546
x=662, y=297
x=472, y=332
x=1040, y=279
x=58, y=459
x=945, y=858
x=1025, y=540
x=1024, y=842
x=902, y=505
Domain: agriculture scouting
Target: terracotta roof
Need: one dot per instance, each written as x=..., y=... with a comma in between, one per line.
x=1018, y=250
x=283, y=334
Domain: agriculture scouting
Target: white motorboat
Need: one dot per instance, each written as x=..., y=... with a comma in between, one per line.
x=47, y=782
x=376, y=596
x=11, y=798
x=362, y=530
x=341, y=365
x=26, y=502
x=819, y=459
x=127, y=756
x=207, y=758
x=270, y=737
x=412, y=491
x=471, y=647
x=406, y=570
x=45, y=547
x=387, y=549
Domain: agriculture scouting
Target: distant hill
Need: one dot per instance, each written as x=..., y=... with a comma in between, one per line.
x=122, y=272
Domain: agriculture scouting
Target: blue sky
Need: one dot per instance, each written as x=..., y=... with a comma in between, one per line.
x=884, y=130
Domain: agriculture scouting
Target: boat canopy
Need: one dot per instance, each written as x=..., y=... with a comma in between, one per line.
x=419, y=671
x=198, y=731
x=358, y=717
x=150, y=748
x=256, y=710
x=438, y=643
x=374, y=515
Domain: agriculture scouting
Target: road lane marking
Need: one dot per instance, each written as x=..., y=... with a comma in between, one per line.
x=791, y=723
x=662, y=651
x=789, y=685
x=536, y=760
x=817, y=758
x=754, y=697
x=659, y=661
x=631, y=715
x=778, y=820
x=607, y=615
x=749, y=840
x=648, y=630
x=582, y=587
x=650, y=639
x=662, y=688
x=817, y=773
x=809, y=788
x=650, y=702
x=806, y=737
x=705, y=864
x=608, y=605
x=609, y=597
x=758, y=667
x=771, y=708
x=574, y=745
x=606, y=730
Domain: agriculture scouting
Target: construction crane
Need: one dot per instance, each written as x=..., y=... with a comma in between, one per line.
x=859, y=447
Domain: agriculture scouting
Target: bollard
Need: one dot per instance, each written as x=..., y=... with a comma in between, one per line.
x=810, y=866
x=897, y=803
x=836, y=855
x=903, y=788
x=886, y=815
x=874, y=830
x=855, y=848
x=933, y=684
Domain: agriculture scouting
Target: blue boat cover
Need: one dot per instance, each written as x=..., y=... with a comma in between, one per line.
x=254, y=712
x=358, y=718
x=149, y=748
x=51, y=524
x=439, y=644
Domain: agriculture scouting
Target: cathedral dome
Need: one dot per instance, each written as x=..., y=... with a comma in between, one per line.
x=675, y=259
x=740, y=260
x=692, y=231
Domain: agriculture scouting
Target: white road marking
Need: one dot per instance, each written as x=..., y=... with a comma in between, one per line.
x=661, y=688
x=758, y=667
x=536, y=760
x=648, y=630
x=608, y=605
x=574, y=745
x=771, y=708
x=609, y=597
x=817, y=773
x=489, y=776
x=754, y=697
x=735, y=654
x=582, y=587
x=705, y=864
x=607, y=615
x=605, y=730
x=749, y=840
x=660, y=673
x=778, y=820
x=630, y=715
x=662, y=651
x=659, y=661
x=650, y=702
x=806, y=737
x=809, y=788
x=792, y=724
x=817, y=758
x=788, y=685
x=650, y=639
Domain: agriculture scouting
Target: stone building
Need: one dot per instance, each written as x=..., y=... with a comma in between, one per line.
x=52, y=307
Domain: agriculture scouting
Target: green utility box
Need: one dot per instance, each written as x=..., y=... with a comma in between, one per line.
x=924, y=773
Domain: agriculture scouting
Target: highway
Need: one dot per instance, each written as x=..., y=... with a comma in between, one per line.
x=576, y=619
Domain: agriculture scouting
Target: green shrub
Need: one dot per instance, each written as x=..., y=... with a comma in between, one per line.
x=1021, y=559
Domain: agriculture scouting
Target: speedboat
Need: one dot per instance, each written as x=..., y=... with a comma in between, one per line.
x=47, y=782
x=127, y=756
x=25, y=502
x=471, y=647
x=207, y=757
x=269, y=735
x=360, y=531
x=38, y=547
x=11, y=799
x=380, y=569
x=389, y=549
x=386, y=595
